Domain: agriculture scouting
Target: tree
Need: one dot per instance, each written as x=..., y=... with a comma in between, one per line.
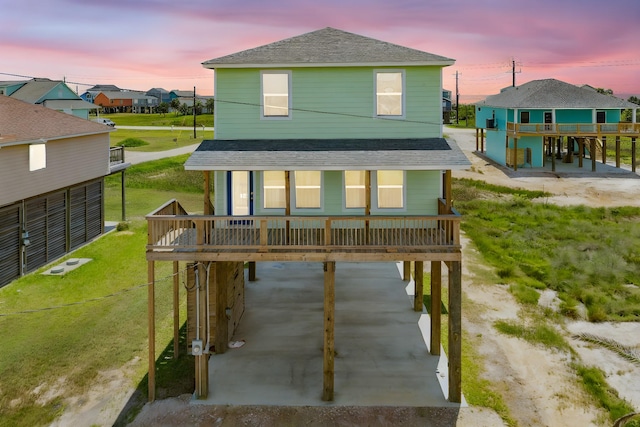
x=198, y=107
x=163, y=108
x=209, y=104
x=604, y=91
x=183, y=108
x=634, y=99
x=175, y=104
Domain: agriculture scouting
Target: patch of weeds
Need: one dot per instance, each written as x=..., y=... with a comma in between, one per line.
x=524, y=294
x=133, y=142
x=122, y=226
x=593, y=380
x=536, y=334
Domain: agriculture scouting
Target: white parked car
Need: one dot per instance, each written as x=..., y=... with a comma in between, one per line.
x=104, y=121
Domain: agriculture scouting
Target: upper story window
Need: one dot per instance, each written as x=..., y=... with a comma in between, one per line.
x=274, y=190
x=524, y=117
x=37, y=157
x=389, y=93
x=354, y=189
x=308, y=186
x=390, y=184
x=276, y=94
x=601, y=117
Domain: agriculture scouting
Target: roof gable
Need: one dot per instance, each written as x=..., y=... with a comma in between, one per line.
x=552, y=93
x=328, y=46
x=38, y=90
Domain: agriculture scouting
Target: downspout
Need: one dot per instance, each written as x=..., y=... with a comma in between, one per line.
x=197, y=303
x=207, y=310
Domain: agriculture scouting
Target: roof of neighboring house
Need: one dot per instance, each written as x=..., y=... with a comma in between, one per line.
x=328, y=154
x=100, y=88
x=72, y=104
x=183, y=93
x=552, y=93
x=126, y=95
x=22, y=122
x=327, y=46
x=33, y=90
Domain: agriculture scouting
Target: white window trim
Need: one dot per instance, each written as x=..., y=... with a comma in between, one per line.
x=375, y=93
x=374, y=194
x=40, y=162
x=294, y=202
x=290, y=103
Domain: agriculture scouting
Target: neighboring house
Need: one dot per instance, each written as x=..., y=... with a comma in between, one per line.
x=163, y=95
x=90, y=94
x=50, y=93
x=186, y=97
x=542, y=119
x=328, y=147
x=125, y=101
x=52, y=169
x=446, y=106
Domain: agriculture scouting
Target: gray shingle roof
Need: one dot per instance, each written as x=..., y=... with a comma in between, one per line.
x=23, y=122
x=33, y=90
x=328, y=46
x=552, y=93
x=327, y=154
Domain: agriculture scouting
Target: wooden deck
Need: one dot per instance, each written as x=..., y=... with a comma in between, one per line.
x=574, y=129
x=258, y=238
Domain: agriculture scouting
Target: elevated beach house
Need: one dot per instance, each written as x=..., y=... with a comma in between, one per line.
x=328, y=148
x=547, y=120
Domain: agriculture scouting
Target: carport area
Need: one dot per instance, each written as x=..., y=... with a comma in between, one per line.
x=381, y=344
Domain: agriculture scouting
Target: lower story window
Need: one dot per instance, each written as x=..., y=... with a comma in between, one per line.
x=308, y=186
x=390, y=189
x=355, y=192
x=274, y=190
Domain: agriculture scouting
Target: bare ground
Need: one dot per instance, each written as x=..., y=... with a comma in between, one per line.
x=538, y=385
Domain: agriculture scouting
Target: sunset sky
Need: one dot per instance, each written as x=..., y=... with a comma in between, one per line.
x=140, y=44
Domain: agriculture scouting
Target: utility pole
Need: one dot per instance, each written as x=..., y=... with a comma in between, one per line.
x=457, y=101
x=194, y=112
x=514, y=72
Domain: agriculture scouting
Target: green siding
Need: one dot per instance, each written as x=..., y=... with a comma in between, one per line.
x=328, y=103
x=423, y=190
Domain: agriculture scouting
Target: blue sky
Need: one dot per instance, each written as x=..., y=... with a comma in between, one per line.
x=158, y=43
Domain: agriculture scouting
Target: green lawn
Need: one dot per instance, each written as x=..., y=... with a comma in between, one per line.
x=169, y=119
x=158, y=140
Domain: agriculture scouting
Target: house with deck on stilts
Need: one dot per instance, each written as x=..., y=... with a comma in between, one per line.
x=328, y=149
x=543, y=121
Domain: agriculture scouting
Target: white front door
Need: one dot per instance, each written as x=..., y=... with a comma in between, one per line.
x=240, y=193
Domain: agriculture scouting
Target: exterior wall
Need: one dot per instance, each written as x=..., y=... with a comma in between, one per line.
x=535, y=143
x=574, y=116
x=423, y=188
x=495, y=146
x=328, y=103
x=69, y=161
x=60, y=91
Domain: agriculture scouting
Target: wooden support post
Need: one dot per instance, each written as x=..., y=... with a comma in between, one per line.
x=406, y=270
x=436, y=309
x=367, y=205
x=207, y=193
x=482, y=140
x=123, y=196
x=455, y=332
x=176, y=309
x=604, y=150
x=447, y=188
x=252, y=271
x=477, y=139
x=216, y=282
x=618, y=151
x=593, y=154
x=202, y=360
x=633, y=154
x=329, y=325
x=151, y=311
x=418, y=294
x=515, y=154
x=553, y=156
x=580, y=151
x=287, y=205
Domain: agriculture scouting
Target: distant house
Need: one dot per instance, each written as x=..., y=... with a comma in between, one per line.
x=551, y=119
x=446, y=106
x=186, y=97
x=125, y=101
x=163, y=95
x=52, y=169
x=50, y=93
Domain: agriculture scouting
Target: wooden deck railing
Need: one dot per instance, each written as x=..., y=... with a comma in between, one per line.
x=116, y=155
x=172, y=231
x=574, y=129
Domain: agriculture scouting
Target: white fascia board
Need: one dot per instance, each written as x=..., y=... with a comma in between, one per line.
x=332, y=64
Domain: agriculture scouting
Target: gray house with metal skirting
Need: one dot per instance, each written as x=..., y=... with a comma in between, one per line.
x=52, y=169
x=542, y=121
x=328, y=148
